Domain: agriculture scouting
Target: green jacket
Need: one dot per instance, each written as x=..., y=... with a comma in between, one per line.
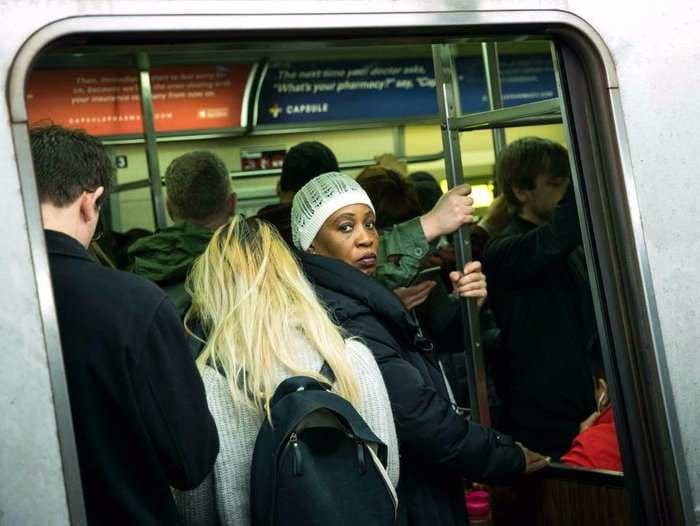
x=401, y=251
x=167, y=256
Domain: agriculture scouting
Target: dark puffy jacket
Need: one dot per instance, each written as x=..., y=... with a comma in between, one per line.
x=437, y=446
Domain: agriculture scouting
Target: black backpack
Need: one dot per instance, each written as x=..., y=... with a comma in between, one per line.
x=320, y=464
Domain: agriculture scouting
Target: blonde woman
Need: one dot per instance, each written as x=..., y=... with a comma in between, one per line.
x=264, y=324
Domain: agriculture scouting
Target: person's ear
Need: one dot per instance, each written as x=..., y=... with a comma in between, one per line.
x=603, y=399
x=231, y=204
x=88, y=204
x=523, y=195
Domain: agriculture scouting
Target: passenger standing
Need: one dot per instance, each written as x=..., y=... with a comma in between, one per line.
x=199, y=201
x=402, y=248
x=266, y=325
x=541, y=298
x=395, y=201
x=302, y=163
x=427, y=188
x=139, y=409
x=333, y=225
x=393, y=195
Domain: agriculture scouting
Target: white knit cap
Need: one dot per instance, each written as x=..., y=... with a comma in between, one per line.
x=319, y=199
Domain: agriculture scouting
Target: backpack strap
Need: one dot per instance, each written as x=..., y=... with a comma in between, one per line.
x=328, y=372
x=289, y=409
x=325, y=371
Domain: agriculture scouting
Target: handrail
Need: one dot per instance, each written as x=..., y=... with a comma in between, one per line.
x=244, y=174
x=517, y=123
x=506, y=117
x=133, y=185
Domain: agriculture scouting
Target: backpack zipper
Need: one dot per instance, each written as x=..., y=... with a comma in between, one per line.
x=296, y=455
x=361, y=456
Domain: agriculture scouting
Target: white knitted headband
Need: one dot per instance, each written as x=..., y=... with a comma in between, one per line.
x=319, y=199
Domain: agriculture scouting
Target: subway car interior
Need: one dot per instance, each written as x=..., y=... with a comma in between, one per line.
x=441, y=104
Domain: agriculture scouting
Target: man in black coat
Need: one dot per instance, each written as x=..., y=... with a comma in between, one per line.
x=139, y=409
x=540, y=295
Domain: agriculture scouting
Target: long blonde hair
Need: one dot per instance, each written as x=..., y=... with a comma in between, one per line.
x=253, y=302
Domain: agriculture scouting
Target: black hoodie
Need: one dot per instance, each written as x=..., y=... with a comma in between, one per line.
x=437, y=445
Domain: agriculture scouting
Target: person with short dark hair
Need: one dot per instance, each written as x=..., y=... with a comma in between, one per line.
x=427, y=188
x=199, y=189
x=67, y=164
x=301, y=163
x=541, y=298
x=534, y=175
x=394, y=197
x=199, y=201
x=138, y=404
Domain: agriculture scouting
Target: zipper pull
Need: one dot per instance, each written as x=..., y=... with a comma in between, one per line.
x=296, y=452
x=361, y=456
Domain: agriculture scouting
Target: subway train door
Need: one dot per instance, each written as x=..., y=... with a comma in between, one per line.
x=562, y=494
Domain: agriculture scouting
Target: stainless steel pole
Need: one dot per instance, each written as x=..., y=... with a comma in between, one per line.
x=489, y=51
x=447, y=97
x=149, y=133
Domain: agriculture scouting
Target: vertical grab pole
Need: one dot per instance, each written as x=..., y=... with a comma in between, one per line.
x=447, y=98
x=492, y=69
x=149, y=133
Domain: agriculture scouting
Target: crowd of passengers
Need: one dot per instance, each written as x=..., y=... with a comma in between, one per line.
x=170, y=382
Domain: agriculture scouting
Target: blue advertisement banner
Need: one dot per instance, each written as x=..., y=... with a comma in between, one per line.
x=524, y=78
x=321, y=92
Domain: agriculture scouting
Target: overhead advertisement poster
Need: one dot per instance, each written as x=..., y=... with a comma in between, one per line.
x=356, y=90
x=524, y=78
x=106, y=102
x=311, y=92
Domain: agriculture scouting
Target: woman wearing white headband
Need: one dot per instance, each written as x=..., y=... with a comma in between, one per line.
x=333, y=226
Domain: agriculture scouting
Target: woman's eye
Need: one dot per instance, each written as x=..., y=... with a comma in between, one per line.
x=369, y=225
x=345, y=228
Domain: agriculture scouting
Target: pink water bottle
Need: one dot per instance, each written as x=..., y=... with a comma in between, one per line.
x=478, y=509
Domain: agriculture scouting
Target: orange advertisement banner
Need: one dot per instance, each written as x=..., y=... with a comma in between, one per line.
x=107, y=101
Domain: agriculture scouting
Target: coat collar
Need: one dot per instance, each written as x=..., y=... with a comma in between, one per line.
x=346, y=280
x=65, y=245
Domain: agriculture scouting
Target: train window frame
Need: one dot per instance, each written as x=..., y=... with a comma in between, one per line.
x=630, y=335
x=623, y=293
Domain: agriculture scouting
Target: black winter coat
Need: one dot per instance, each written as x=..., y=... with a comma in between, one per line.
x=437, y=445
x=139, y=409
